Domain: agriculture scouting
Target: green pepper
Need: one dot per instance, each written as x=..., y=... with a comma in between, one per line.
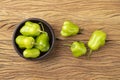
x=78, y=49
x=25, y=42
x=30, y=29
x=97, y=40
x=31, y=53
x=69, y=29
x=42, y=42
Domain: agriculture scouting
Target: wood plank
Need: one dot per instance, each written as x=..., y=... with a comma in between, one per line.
x=60, y=64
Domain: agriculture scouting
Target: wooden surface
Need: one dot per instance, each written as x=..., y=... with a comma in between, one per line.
x=61, y=65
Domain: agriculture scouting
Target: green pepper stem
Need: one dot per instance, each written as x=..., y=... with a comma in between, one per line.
x=89, y=54
x=67, y=45
x=42, y=26
x=41, y=31
x=80, y=31
x=36, y=44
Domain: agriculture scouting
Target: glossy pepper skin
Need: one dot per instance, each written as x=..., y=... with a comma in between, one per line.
x=69, y=29
x=42, y=42
x=78, y=49
x=25, y=42
x=30, y=29
x=97, y=40
x=31, y=53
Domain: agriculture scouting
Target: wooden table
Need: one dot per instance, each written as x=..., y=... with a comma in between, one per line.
x=60, y=64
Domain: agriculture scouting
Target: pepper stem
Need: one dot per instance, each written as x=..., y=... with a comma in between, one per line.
x=67, y=45
x=36, y=44
x=89, y=54
x=42, y=27
x=41, y=31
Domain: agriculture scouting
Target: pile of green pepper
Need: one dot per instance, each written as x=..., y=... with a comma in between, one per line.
x=96, y=40
x=69, y=29
x=33, y=40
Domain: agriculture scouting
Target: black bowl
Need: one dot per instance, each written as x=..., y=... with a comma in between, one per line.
x=47, y=28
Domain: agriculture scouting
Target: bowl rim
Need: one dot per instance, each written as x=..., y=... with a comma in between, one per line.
x=51, y=31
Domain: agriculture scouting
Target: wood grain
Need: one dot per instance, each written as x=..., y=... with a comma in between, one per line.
x=60, y=64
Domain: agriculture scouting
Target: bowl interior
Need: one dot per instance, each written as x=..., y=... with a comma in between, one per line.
x=47, y=28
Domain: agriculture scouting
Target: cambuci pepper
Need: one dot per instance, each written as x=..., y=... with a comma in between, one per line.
x=69, y=29
x=30, y=29
x=42, y=42
x=97, y=40
x=31, y=53
x=78, y=49
x=25, y=42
